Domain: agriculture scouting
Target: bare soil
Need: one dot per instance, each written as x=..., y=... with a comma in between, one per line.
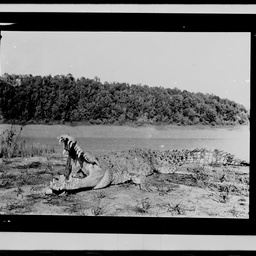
x=191, y=191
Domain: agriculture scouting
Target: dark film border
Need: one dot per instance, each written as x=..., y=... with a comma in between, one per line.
x=138, y=22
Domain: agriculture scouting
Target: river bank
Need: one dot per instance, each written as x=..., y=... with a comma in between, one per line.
x=191, y=191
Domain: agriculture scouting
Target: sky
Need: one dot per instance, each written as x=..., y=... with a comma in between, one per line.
x=217, y=63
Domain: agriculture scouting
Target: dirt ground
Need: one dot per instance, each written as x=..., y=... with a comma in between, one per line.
x=191, y=191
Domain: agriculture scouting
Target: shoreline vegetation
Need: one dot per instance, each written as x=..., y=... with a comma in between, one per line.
x=51, y=100
x=12, y=145
x=131, y=125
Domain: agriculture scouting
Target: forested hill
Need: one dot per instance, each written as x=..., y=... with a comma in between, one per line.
x=60, y=99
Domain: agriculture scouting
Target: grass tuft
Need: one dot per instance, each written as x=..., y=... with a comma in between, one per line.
x=11, y=145
x=143, y=206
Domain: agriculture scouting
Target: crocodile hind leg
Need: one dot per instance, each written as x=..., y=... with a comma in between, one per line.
x=152, y=184
x=92, y=180
x=143, y=183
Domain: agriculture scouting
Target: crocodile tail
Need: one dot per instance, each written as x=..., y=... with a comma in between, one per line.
x=214, y=157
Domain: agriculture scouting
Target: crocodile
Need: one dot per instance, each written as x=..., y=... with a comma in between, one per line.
x=85, y=171
x=76, y=156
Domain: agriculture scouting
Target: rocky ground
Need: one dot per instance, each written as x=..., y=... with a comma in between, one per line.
x=191, y=191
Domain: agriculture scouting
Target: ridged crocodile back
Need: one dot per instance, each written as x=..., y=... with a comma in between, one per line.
x=164, y=161
x=126, y=166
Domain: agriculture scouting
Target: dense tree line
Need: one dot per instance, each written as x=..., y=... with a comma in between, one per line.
x=60, y=99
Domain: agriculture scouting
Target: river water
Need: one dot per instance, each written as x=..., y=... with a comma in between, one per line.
x=102, y=139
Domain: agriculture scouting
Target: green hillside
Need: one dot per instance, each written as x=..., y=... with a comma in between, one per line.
x=64, y=99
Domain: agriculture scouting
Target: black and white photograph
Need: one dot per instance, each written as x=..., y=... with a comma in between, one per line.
x=124, y=123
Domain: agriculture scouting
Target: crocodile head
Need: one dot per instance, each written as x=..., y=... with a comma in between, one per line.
x=68, y=142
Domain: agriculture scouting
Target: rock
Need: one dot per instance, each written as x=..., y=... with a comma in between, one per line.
x=19, y=196
x=47, y=191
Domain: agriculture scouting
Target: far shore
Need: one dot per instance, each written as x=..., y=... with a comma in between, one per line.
x=133, y=125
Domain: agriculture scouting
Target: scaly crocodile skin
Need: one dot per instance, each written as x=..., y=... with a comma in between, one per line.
x=131, y=165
